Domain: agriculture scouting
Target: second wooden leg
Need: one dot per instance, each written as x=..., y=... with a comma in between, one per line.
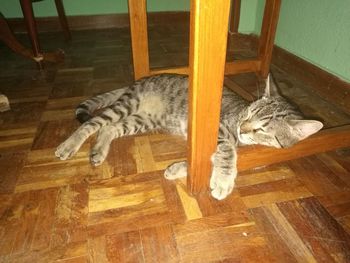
x=139, y=37
x=267, y=35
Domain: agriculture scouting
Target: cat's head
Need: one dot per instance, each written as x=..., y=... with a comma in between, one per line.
x=273, y=121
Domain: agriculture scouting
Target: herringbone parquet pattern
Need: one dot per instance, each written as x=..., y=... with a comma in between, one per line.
x=124, y=211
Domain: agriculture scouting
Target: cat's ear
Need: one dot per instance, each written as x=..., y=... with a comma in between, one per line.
x=304, y=128
x=271, y=89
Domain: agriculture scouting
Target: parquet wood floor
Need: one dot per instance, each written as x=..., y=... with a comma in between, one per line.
x=124, y=210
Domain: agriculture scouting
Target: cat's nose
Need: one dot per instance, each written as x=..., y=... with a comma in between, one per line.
x=245, y=127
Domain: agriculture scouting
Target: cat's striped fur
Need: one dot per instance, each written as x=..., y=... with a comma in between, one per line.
x=160, y=102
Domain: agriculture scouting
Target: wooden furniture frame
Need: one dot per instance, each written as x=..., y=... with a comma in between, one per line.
x=235, y=16
x=35, y=53
x=208, y=41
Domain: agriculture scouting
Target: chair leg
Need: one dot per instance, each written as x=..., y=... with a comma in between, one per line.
x=208, y=38
x=139, y=37
x=7, y=36
x=28, y=14
x=267, y=35
x=63, y=19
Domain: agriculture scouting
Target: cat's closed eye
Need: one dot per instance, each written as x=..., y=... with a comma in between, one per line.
x=258, y=130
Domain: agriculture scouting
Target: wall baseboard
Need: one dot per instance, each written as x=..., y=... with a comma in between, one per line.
x=51, y=24
x=327, y=85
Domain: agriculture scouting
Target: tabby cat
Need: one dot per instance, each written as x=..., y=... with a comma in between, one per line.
x=160, y=102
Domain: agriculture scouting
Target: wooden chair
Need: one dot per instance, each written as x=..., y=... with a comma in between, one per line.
x=208, y=39
x=36, y=53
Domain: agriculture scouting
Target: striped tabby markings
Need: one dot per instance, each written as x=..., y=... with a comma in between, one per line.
x=189, y=203
x=120, y=196
x=300, y=251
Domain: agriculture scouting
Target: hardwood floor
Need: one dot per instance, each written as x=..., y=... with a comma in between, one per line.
x=124, y=210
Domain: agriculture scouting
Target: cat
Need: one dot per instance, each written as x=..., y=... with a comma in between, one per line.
x=160, y=102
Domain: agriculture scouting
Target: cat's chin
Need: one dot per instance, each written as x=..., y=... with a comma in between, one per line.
x=245, y=140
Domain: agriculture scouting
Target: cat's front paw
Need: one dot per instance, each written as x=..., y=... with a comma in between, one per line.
x=97, y=157
x=221, y=185
x=176, y=170
x=66, y=150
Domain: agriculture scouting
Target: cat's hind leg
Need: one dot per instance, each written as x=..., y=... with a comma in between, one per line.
x=112, y=114
x=131, y=125
x=176, y=170
x=70, y=146
x=100, y=150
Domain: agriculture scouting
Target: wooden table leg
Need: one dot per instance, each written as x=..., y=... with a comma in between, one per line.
x=208, y=38
x=139, y=37
x=267, y=35
x=63, y=19
x=235, y=14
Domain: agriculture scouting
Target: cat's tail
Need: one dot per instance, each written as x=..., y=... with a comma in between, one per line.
x=85, y=109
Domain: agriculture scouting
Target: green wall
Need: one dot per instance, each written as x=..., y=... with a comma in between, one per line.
x=315, y=30
x=12, y=8
x=249, y=8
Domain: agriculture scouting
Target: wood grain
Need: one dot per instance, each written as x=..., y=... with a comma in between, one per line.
x=139, y=37
x=207, y=59
x=242, y=66
x=235, y=15
x=329, y=139
x=267, y=35
x=231, y=68
x=69, y=211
